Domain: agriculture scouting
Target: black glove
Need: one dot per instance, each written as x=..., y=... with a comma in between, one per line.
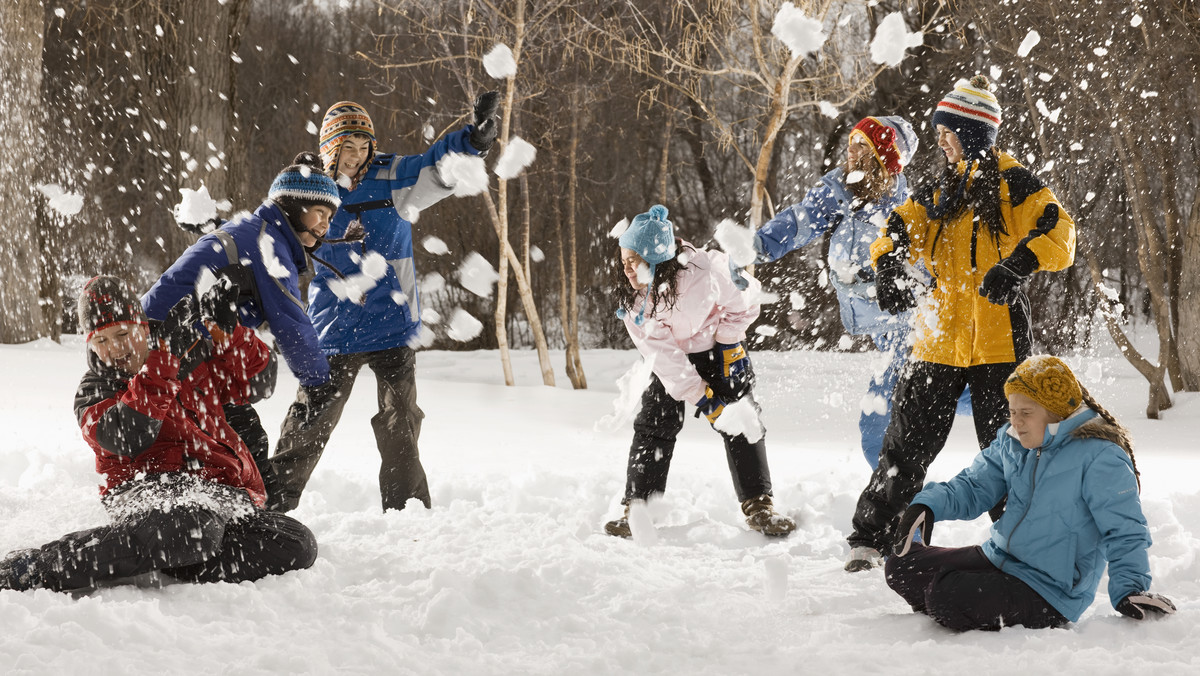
x=218, y=306
x=316, y=400
x=486, y=129
x=1002, y=284
x=916, y=518
x=893, y=286
x=177, y=333
x=1136, y=605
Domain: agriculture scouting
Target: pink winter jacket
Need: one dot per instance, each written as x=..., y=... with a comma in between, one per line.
x=709, y=310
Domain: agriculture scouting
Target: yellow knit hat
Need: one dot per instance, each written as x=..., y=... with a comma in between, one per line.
x=1049, y=382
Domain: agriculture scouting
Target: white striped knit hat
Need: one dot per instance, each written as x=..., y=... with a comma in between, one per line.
x=305, y=184
x=972, y=113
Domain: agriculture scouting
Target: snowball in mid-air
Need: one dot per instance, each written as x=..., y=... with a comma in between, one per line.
x=1031, y=40
x=435, y=246
x=476, y=275
x=802, y=35
x=619, y=229
x=891, y=39
x=462, y=326
x=65, y=203
x=518, y=154
x=499, y=62
x=355, y=287
x=736, y=241
x=465, y=174
x=195, y=207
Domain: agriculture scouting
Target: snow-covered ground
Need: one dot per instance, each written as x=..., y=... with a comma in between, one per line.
x=510, y=572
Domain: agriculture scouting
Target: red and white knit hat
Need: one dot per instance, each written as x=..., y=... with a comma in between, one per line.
x=972, y=112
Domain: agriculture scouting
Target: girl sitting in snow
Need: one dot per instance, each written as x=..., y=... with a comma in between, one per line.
x=688, y=319
x=1067, y=468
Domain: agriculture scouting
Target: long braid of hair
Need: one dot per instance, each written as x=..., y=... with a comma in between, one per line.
x=1112, y=420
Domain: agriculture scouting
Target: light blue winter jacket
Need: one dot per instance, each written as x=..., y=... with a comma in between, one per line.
x=1072, y=506
x=826, y=206
x=388, y=315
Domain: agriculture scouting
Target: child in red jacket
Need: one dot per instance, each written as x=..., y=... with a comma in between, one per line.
x=181, y=487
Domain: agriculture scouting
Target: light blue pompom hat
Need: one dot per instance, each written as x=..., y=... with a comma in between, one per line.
x=652, y=237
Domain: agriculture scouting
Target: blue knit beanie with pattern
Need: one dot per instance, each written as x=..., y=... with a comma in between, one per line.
x=652, y=237
x=304, y=184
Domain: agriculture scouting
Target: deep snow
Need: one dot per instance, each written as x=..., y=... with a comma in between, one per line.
x=510, y=573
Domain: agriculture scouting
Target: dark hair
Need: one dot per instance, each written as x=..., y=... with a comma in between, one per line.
x=983, y=197
x=664, y=288
x=310, y=160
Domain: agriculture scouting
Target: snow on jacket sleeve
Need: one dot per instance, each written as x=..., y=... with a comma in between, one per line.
x=973, y=491
x=416, y=181
x=738, y=308
x=236, y=363
x=293, y=330
x=797, y=225
x=1111, y=491
x=128, y=422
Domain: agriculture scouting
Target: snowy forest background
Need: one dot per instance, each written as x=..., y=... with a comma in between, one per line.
x=111, y=107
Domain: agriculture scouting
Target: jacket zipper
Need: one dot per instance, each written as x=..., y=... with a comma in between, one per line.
x=1032, y=484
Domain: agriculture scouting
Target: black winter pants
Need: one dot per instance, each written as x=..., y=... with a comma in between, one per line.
x=962, y=590
x=245, y=421
x=922, y=415
x=189, y=542
x=397, y=427
x=661, y=418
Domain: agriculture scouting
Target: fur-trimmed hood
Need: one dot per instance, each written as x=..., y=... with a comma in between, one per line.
x=1099, y=428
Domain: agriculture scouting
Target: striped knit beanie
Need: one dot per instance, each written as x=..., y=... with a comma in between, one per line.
x=891, y=137
x=972, y=113
x=306, y=185
x=342, y=120
x=107, y=300
x=1048, y=381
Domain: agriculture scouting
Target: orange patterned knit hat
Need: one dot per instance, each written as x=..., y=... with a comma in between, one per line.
x=1048, y=381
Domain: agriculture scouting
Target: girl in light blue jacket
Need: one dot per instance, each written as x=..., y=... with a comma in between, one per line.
x=1066, y=466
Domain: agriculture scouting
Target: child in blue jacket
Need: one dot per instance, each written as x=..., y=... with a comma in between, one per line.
x=1066, y=466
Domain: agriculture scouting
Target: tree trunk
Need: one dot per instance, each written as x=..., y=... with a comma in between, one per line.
x=1189, y=302
x=21, y=41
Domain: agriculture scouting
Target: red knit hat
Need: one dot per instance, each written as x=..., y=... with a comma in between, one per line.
x=887, y=141
x=107, y=300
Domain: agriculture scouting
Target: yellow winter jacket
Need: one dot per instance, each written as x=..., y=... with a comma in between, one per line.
x=955, y=325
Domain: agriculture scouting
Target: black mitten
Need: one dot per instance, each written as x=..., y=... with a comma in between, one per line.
x=893, y=286
x=177, y=333
x=1002, y=284
x=218, y=306
x=486, y=128
x=916, y=518
x=1137, y=605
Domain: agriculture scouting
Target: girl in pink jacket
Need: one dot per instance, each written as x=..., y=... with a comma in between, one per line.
x=688, y=320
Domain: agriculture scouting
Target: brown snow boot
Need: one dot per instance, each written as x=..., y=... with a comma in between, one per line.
x=619, y=527
x=762, y=517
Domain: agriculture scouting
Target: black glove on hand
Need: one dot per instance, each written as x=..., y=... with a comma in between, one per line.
x=317, y=399
x=1138, y=604
x=177, y=333
x=218, y=306
x=1002, y=284
x=893, y=286
x=916, y=518
x=486, y=129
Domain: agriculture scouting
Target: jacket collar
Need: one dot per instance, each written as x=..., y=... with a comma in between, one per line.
x=280, y=228
x=1057, y=432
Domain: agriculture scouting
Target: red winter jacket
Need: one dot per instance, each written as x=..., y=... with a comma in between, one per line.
x=153, y=422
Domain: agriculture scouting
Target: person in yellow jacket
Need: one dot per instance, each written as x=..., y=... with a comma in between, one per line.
x=981, y=231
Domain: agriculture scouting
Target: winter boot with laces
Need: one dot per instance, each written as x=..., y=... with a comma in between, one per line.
x=18, y=570
x=619, y=527
x=863, y=558
x=762, y=517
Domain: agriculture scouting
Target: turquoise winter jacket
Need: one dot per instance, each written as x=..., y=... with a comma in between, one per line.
x=1072, y=507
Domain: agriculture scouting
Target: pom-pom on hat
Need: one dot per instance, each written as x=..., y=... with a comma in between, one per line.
x=106, y=300
x=304, y=184
x=891, y=137
x=1048, y=381
x=342, y=120
x=652, y=237
x=972, y=113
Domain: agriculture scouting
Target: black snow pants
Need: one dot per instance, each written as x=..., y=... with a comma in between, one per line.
x=661, y=418
x=217, y=536
x=397, y=427
x=922, y=415
x=962, y=590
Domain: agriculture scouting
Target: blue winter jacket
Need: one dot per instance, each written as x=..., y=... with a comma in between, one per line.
x=376, y=306
x=1072, y=506
x=269, y=254
x=826, y=206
